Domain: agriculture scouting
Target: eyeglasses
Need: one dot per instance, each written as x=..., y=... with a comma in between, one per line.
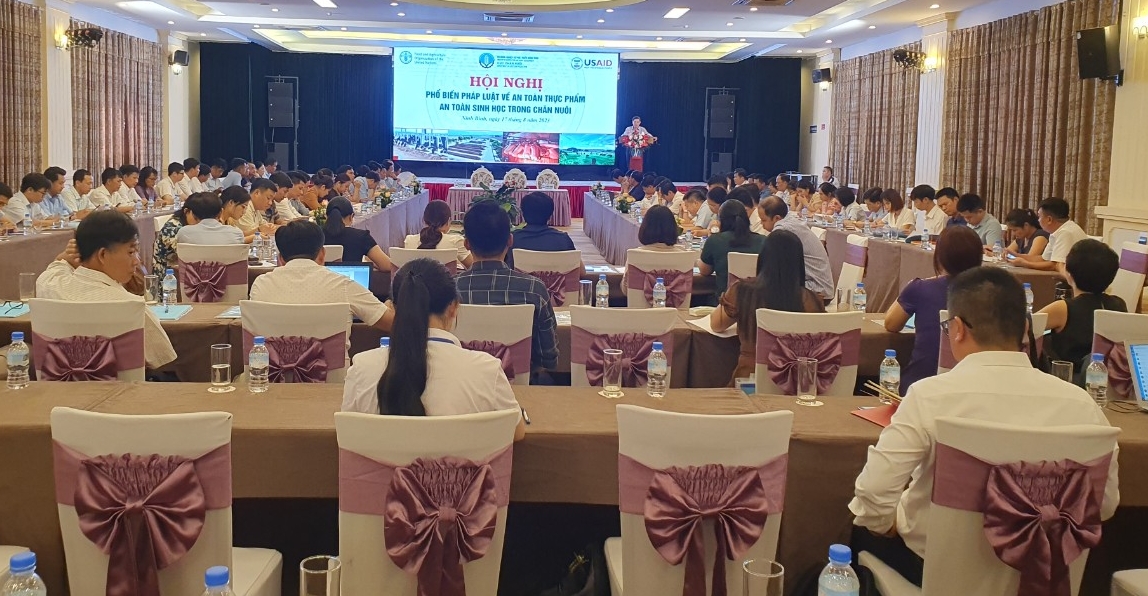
x=945, y=324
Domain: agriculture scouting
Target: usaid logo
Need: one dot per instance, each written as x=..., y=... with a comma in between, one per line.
x=576, y=64
x=580, y=63
x=405, y=57
x=486, y=60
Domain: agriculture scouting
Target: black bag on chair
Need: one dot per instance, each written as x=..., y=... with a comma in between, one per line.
x=586, y=576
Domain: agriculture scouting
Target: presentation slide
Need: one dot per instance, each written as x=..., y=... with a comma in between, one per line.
x=505, y=106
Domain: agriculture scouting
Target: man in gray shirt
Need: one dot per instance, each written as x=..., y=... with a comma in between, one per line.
x=818, y=277
x=972, y=208
x=204, y=226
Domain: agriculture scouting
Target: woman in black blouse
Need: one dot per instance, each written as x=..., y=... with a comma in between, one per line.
x=356, y=243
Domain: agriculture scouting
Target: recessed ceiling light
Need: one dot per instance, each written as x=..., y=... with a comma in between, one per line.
x=800, y=51
x=429, y=31
x=753, y=9
x=342, y=28
x=609, y=10
x=829, y=41
x=742, y=39
x=171, y=22
x=872, y=26
x=402, y=14
x=601, y=20
x=274, y=10
x=935, y=6
x=504, y=35
x=203, y=35
x=579, y=37
x=675, y=13
x=729, y=24
x=658, y=39
x=256, y=26
x=326, y=3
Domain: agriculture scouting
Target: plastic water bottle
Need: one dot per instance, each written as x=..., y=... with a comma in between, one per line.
x=150, y=205
x=602, y=292
x=839, y=221
x=28, y=229
x=216, y=580
x=659, y=293
x=1095, y=380
x=1028, y=297
x=176, y=204
x=998, y=250
x=657, y=369
x=385, y=343
x=18, y=362
x=838, y=577
x=925, y=243
x=1143, y=237
x=257, y=246
x=170, y=285
x=890, y=374
x=139, y=206
x=859, y=298
x=258, y=365
x=23, y=580
x=868, y=227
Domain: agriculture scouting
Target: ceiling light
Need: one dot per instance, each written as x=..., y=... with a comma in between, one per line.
x=429, y=31
x=579, y=37
x=800, y=51
x=402, y=14
x=729, y=24
x=872, y=26
x=935, y=6
x=742, y=39
x=658, y=39
x=675, y=13
x=256, y=26
x=147, y=7
x=829, y=41
x=753, y=9
x=342, y=28
x=274, y=10
x=609, y=10
x=601, y=20
x=326, y=3
x=171, y=22
x=203, y=35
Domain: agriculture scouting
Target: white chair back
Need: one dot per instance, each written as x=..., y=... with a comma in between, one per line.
x=333, y=253
x=231, y=256
x=853, y=269
x=742, y=265
x=960, y=560
x=160, y=222
x=819, y=232
x=322, y=322
x=794, y=327
x=508, y=325
x=402, y=256
x=406, y=177
x=186, y=435
x=61, y=319
x=1112, y=331
x=515, y=178
x=481, y=176
x=549, y=266
x=547, y=179
x=660, y=440
x=653, y=322
x=399, y=440
x=1129, y=281
x=640, y=261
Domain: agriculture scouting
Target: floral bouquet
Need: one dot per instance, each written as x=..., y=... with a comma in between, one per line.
x=504, y=196
x=320, y=216
x=385, y=197
x=415, y=185
x=637, y=142
x=623, y=204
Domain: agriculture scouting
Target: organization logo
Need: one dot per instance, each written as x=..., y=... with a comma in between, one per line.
x=580, y=63
x=576, y=64
x=405, y=57
x=486, y=60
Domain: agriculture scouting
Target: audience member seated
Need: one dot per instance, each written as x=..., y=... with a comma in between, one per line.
x=356, y=243
x=426, y=371
x=972, y=209
x=993, y=382
x=706, y=220
x=436, y=234
x=1063, y=234
x=53, y=206
x=824, y=199
x=33, y=187
x=650, y=195
x=171, y=187
x=784, y=185
x=805, y=197
x=827, y=175
x=874, y=207
x=958, y=249
x=203, y=225
x=235, y=203
x=659, y=230
x=163, y=254
x=284, y=209
x=107, y=195
x=896, y=215
x=1027, y=237
x=94, y=268
x=130, y=174
x=190, y=184
x=490, y=281
x=302, y=278
x=298, y=190
x=669, y=196
x=735, y=236
x=779, y=285
x=775, y=215
x=1089, y=268
x=845, y=203
x=923, y=198
x=692, y=203
x=236, y=175
x=214, y=182
x=259, y=214
x=146, y=187
x=537, y=235
x=76, y=197
x=947, y=202
x=5, y=196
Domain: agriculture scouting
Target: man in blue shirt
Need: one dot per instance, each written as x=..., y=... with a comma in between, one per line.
x=53, y=204
x=235, y=176
x=537, y=209
x=947, y=201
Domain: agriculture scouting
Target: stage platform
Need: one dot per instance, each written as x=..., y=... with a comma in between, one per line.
x=576, y=189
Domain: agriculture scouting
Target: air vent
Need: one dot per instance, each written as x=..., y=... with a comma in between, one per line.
x=507, y=17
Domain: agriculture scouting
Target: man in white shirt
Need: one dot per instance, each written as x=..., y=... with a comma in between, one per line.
x=270, y=167
x=205, y=227
x=775, y=215
x=255, y=218
x=635, y=128
x=168, y=189
x=284, y=210
x=236, y=176
x=993, y=382
x=94, y=268
x=923, y=198
x=130, y=174
x=33, y=188
x=215, y=179
x=1063, y=234
x=827, y=176
x=190, y=183
x=108, y=193
x=76, y=195
x=5, y=196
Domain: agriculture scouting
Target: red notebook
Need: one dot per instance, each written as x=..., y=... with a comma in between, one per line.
x=881, y=415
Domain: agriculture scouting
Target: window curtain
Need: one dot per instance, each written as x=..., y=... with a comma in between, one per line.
x=875, y=121
x=1020, y=125
x=21, y=32
x=117, y=95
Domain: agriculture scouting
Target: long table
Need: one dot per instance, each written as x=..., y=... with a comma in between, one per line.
x=613, y=233
x=570, y=455
x=390, y=227
x=459, y=198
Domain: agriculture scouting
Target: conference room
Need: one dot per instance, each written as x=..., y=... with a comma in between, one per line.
x=527, y=297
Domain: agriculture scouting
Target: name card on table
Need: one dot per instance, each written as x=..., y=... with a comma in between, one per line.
x=174, y=313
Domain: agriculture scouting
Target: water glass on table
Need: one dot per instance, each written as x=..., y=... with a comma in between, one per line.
x=586, y=295
x=221, y=369
x=762, y=577
x=1062, y=369
x=612, y=374
x=151, y=288
x=807, y=382
x=320, y=576
x=27, y=286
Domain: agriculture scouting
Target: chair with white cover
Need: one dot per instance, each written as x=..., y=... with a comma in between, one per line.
x=946, y=361
x=561, y=271
x=93, y=341
x=652, y=446
x=547, y=180
x=676, y=268
x=515, y=178
x=383, y=464
x=480, y=177
x=183, y=462
x=401, y=256
x=307, y=343
x=833, y=339
x=505, y=332
x=976, y=458
x=742, y=265
x=1111, y=332
x=819, y=232
x=332, y=253
x=212, y=273
x=853, y=269
x=1129, y=281
x=593, y=330
x=161, y=221
x=406, y=177
x=6, y=553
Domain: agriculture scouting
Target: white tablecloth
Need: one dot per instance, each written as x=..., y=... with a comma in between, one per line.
x=391, y=226
x=459, y=198
x=613, y=233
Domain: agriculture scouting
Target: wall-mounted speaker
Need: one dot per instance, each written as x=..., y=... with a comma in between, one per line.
x=822, y=75
x=1098, y=52
x=280, y=105
x=723, y=116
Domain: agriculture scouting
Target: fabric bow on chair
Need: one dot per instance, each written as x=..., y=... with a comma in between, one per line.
x=1116, y=359
x=782, y=351
x=1135, y=262
x=303, y=357
x=87, y=358
x=635, y=347
x=508, y=355
x=557, y=284
x=678, y=285
x=205, y=281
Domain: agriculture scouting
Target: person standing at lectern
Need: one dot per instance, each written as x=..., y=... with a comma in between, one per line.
x=635, y=128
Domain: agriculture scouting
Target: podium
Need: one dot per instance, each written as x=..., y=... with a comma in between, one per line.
x=636, y=160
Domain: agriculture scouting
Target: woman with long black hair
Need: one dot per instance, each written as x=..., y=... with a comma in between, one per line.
x=735, y=236
x=356, y=243
x=436, y=233
x=426, y=371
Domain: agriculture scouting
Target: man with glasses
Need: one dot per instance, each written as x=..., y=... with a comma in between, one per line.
x=1063, y=235
x=993, y=381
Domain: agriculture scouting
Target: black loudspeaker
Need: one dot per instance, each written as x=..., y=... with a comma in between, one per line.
x=180, y=57
x=280, y=105
x=278, y=152
x=721, y=163
x=723, y=113
x=822, y=75
x=1098, y=51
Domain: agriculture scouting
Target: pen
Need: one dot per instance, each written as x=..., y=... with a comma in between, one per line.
x=525, y=416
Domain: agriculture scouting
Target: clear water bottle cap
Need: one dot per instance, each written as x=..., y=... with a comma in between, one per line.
x=259, y=340
x=216, y=577
x=601, y=277
x=860, y=285
x=1098, y=357
x=257, y=234
x=170, y=272
x=1028, y=286
x=839, y=553
x=17, y=336
x=384, y=342
x=22, y=562
x=890, y=353
x=658, y=345
x=661, y=280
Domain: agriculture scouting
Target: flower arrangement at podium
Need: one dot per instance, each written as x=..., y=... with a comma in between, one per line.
x=637, y=141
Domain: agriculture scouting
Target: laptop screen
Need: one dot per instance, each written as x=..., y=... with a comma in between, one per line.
x=360, y=274
x=1138, y=363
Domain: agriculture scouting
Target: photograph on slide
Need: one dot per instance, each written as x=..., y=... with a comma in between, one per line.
x=586, y=149
x=448, y=145
x=530, y=147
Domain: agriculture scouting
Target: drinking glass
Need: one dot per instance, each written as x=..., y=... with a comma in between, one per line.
x=807, y=382
x=844, y=300
x=221, y=369
x=1062, y=369
x=27, y=286
x=319, y=576
x=762, y=577
x=612, y=374
x=586, y=295
x=151, y=288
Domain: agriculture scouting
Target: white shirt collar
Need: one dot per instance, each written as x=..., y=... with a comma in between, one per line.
x=301, y=264
x=990, y=358
x=439, y=333
x=97, y=276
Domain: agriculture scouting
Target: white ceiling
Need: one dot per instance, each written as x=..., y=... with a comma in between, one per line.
x=711, y=30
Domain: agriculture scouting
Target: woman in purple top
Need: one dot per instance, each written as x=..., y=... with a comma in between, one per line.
x=958, y=249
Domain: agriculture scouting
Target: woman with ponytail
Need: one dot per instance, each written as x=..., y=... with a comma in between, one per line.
x=735, y=236
x=437, y=234
x=426, y=371
x=356, y=243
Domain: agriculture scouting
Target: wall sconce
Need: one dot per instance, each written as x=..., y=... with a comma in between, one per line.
x=178, y=60
x=61, y=41
x=930, y=64
x=1140, y=27
x=824, y=86
x=177, y=69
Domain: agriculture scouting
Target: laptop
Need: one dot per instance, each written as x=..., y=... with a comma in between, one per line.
x=360, y=274
x=1138, y=366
